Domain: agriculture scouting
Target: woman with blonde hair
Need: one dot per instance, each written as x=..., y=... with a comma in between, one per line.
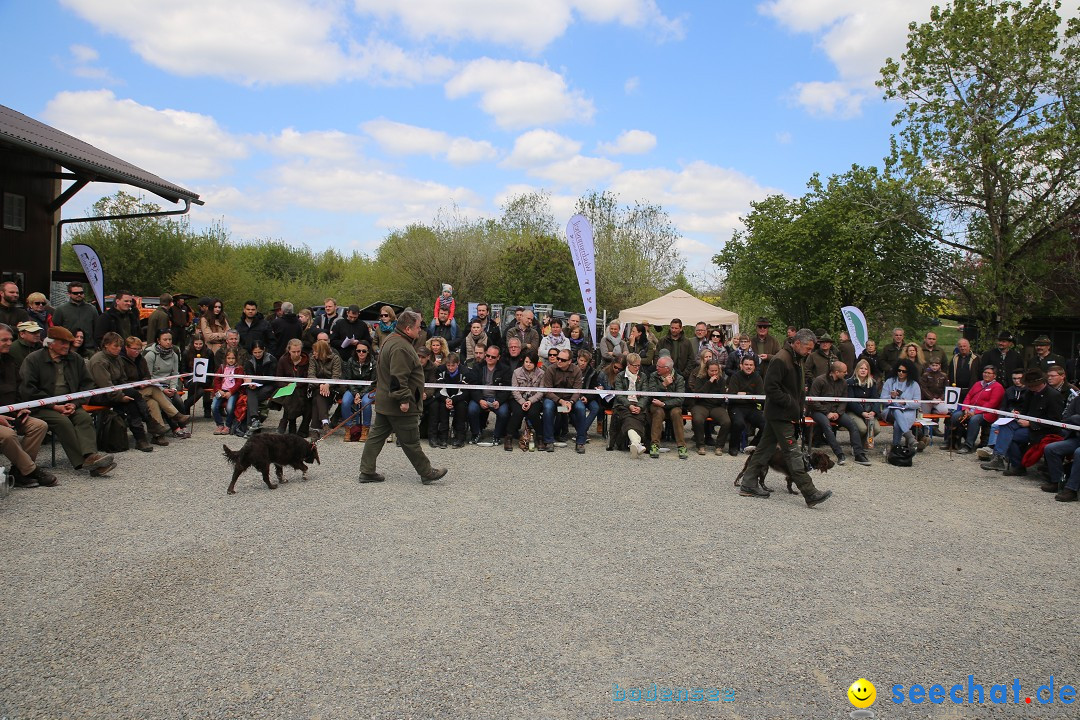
x=309, y=329
x=913, y=352
x=325, y=364
x=438, y=349
x=385, y=327
x=862, y=386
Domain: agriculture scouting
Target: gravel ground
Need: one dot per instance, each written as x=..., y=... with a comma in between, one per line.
x=525, y=586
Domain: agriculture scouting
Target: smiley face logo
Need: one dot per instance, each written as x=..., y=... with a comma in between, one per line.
x=862, y=693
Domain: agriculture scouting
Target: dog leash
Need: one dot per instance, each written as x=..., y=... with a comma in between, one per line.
x=334, y=429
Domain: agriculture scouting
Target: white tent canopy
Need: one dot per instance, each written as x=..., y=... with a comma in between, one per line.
x=679, y=304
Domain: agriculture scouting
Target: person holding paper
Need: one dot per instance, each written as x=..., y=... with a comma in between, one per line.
x=902, y=385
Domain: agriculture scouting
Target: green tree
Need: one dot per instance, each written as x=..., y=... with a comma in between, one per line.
x=138, y=254
x=537, y=267
x=848, y=241
x=990, y=130
x=636, y=253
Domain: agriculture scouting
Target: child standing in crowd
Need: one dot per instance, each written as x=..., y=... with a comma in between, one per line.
x=225, y=390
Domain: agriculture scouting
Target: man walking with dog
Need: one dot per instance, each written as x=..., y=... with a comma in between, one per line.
x=785, y=395
x=399, y=402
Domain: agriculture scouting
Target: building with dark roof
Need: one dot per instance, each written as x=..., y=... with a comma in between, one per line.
x=36, y=161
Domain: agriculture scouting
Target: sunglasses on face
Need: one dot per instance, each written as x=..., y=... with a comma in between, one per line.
x=493, y=357
x=361, y=352
x=383, y=315
x=76, y=292
x=37, y=302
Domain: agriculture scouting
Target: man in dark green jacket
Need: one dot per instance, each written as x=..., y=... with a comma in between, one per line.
x=399, y=402
x=50, y=372
x=680, y=347
x=785, y=394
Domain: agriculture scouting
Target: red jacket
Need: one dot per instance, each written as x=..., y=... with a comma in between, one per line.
x=989, y=397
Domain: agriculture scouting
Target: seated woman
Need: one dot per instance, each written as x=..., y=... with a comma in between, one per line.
x=709, y=380
x=163, y=361
x=295, y=404
x=861, y=386
x=361, y=366
x=591, y=379
x=902, y=385
x=631, y=410
x=612, y=344
x=226, y=390
x=260, y=362
x=439, y=350
x=78, y=346
x=526, y=403
x=639, y=344
x=325, y=364
x=197, y=350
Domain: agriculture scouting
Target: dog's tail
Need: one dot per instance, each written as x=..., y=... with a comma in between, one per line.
x=230, y=455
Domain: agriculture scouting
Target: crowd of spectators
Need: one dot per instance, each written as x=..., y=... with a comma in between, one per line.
x=493, y=375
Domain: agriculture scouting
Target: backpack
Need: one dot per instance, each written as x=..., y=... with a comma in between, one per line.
x=900, y=456
x=112, y=433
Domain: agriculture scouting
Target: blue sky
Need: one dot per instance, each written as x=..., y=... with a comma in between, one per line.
x=328, y=122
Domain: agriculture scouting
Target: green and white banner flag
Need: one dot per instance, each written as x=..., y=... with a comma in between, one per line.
x=856, y=327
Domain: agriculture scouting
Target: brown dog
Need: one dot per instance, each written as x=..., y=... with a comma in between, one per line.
x=819, y=461
x=275, y=449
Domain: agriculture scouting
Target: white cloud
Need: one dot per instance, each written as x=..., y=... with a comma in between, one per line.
x=327, y=144
x=531, y=24
x=631, y=85
x=579, y=172
x=829, y=99
x=395, y=200
x=82, y=63
x=83, y=53
x=256, y=41
x=629, y=142
x=784, y=138
x=176, y=145
x=401, y=139
x=539, y=147
x=520, y=94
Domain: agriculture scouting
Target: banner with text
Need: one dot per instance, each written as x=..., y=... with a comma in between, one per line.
x=579, y=234
x=91, y=265
x=856, y=328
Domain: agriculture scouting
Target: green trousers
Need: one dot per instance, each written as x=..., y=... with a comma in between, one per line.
x=75, y=433
x=784, y=434
x=407, y=430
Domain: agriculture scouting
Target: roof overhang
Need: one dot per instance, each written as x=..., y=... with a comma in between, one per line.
x=85, y=162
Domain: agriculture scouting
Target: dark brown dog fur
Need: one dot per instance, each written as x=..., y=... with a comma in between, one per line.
x=266, y=449
x=819, y=461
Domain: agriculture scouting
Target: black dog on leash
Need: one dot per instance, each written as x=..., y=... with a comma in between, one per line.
x=819, y=461
x=275, y=449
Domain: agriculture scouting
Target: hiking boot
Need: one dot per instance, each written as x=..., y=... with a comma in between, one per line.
x=159, y=440
x=349, y=436
x=965, y=449
x=817, y=497
x=996, y=463
x=683, y=454
x=579, y=448
x=182, y=419
x=508, y=444
x=432, y=475
x=1049, y=487
x=43, y=477
x=840, y=459
x=984, y=453
x=1015, y=471
x=753, y=489
x=372, y=477
x=98, y=460
x=443, y=442
x=551, y=447
x=700, y=449
x=923, y=442
x=433, y=442
x=144, y=445
x=23, y=481
x=654, y=451
x=1066, y=495
x=99, y=471
x=364, y=432
x=861, y=459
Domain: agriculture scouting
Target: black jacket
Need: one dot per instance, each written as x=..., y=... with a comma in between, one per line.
x=123, y=324
x=1048, y=404
x=285, y=328
x=258, y=331
x=785, y=387
x=343, y=330
x=501, y=376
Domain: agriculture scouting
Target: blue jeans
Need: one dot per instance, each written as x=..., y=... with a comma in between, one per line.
x=1055, y=455
x=1004, y=437
x=478, y=417
x=230, y=405
x=845, y=421
x=592, y=409
x=577, y=417
x=1020, y=441
x=975, y=423
x=347, y=407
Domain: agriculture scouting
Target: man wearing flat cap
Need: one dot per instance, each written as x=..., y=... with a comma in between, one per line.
x=764, y=344
x=28, y=341
x=20, y=434
x=1004, y=358
x=819, y=362
x=1042, y=358
x=52, y=371
x=1038, y=400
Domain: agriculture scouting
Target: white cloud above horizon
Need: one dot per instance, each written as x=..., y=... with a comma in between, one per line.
x=519, y=94
x=629, y=142
x=404, y=139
